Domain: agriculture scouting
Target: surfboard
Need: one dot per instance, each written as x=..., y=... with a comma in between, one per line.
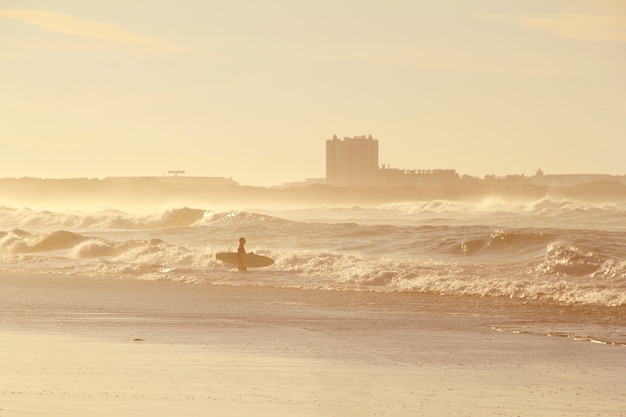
x=250, y=260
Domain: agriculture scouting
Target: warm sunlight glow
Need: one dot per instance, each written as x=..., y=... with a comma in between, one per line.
x=251, y=90
x=286, y=208
x=69, y=25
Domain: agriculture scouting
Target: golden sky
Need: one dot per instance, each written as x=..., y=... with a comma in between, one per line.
x=252, y=89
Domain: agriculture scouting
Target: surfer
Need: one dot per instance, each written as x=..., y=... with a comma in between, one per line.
x=243, y=259
x=241, y=251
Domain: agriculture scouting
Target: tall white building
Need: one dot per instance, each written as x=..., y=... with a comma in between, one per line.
x=352, y=161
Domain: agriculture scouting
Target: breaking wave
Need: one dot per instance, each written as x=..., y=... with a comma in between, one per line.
x=566, y=274
x=510, y=250
x=115, y=220
x=547, y=206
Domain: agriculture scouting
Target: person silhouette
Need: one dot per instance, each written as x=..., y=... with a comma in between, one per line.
x=241, y=251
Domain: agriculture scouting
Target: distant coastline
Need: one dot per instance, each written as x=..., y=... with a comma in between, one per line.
x=207, y=191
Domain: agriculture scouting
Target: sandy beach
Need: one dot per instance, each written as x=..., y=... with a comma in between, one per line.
x=75, y=346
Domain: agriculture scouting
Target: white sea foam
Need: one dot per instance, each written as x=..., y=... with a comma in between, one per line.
x=493, y=248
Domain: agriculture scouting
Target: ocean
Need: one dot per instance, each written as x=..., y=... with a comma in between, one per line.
x=551, y=267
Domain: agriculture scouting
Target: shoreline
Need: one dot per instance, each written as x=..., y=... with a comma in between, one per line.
x=75, y=346
x=491, y=314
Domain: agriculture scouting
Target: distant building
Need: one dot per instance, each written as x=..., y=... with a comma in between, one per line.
x=352, y=161
x=393, y=177
x=572, y=180
x=307, y=181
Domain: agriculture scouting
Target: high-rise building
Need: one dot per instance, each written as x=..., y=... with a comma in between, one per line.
x=352, y=161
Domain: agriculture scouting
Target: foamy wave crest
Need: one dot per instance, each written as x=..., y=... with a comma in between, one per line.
x=567, y=258
x=241, y=217
x=142, y=271
x=432, y=206
x=93, y=248
x=169, y=219
x=613, y=271
x=70, y=245
x=501, y=242
x=13, y=241
x=451, y=278
x=543, y=206
x=552, y=206
x=486, y=204
x=129, y=255
x=19, y=241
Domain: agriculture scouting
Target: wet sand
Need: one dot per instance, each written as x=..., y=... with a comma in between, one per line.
x=101, y=347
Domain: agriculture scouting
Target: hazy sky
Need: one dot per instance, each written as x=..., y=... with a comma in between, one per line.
x=252, y=89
